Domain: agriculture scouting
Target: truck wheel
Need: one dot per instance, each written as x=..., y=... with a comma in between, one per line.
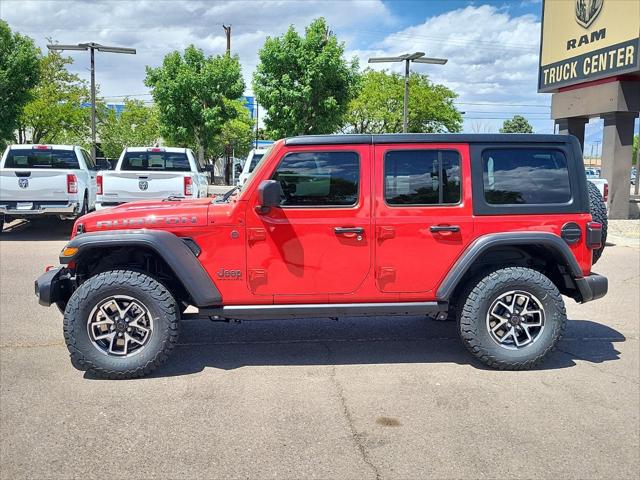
x=120, y=324
x=598, y=210
x=512, y=318
x=1, y=222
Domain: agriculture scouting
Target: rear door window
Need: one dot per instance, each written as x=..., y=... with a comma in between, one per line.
x=42, y=159
x=422, y=177
x=319, y=178
x=155, y=161
x=521, y=176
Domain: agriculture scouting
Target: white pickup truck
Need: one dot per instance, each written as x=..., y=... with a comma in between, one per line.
x=38, y=180
x=148, y=173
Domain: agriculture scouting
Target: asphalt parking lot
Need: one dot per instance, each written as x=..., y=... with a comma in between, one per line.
x=357, y=398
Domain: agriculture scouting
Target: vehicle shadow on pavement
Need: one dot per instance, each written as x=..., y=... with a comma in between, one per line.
x=36, y=230
x=353, y=341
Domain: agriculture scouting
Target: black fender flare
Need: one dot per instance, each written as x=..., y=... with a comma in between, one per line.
x=553, y=243
x=171, y=248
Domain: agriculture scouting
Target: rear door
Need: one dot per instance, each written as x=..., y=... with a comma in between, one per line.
x=423, y=218
x=37, y=174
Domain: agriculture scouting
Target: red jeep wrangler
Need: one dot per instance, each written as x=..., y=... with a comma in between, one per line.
x=488, y=229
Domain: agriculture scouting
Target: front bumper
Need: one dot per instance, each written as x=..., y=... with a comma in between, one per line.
x=592, y=287
x=53, y=286
x=38, y=208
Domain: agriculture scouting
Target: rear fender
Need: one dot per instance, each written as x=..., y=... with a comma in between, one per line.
x=550, y=242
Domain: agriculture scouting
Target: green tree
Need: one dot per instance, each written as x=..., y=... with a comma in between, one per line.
x=518, y=124
x=379, y=105
x=18, y=75
x=195, y=96
x=304, y=83
x=634, y=157
x=235, y=139
x=55, y=111
x=136, y=126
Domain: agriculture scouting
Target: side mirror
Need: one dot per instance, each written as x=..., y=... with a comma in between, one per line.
x=268, y=196
x=208, y=167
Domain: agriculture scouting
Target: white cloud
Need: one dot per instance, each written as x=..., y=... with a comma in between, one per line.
x=493, y=56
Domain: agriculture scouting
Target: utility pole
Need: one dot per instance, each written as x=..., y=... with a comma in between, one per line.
x=227, y=31
x=255, y=99
x=92, y=47
x=407, y=58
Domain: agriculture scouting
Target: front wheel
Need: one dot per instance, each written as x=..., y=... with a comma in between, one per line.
x=512, y=318
x=120, y=324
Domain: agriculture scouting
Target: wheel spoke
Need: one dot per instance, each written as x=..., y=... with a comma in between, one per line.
x=105, y=336
x=508, y=308
x=112, y=342
x=525, y=328
x=502, y=322
x=102, y=322
x=510, y=333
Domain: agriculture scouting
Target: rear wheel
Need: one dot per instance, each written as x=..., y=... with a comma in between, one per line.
x=598, y=210
x=512, y=318
x=120, y=324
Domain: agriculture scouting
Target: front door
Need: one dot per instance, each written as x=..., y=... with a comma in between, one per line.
x=423, y=218
x=318, y=242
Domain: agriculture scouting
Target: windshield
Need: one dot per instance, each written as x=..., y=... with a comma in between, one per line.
x=254, y=161
x=155, y=161
x=23, y=158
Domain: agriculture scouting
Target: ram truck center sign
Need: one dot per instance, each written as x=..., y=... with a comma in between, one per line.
x=585, y=40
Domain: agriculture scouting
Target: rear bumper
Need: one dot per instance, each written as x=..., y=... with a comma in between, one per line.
x=592, y=287
x=38, y=208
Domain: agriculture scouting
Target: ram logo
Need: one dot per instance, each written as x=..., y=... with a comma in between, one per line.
x=143, y=184
x=587, y=11
x=23, y=182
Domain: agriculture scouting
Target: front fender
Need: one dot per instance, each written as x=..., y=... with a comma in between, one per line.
x=172, y=249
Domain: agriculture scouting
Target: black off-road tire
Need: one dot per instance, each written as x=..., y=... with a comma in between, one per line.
x=598, y=210
x=473, y=325
x=1, y=222
x=155, y=296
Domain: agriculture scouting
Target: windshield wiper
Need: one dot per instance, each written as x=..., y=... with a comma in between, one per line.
x=173, y=198
x=226, y=196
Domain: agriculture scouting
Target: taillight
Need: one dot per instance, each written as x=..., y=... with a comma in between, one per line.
x=72, y=183
x=594, y=235
x=188, y=186
x=605, y=191
x=99, y=185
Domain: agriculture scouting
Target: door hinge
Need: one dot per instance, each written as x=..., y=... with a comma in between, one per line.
x=257, y=234
x=386, y=273
x=385, y=233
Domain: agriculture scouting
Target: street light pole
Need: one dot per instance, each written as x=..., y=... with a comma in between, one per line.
x=407, y=58
x=93, y=105
x=92, y=47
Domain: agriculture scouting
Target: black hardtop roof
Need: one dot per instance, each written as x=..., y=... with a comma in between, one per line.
x=350, y=139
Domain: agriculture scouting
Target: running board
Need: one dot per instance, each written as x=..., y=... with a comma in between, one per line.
x=310, y=310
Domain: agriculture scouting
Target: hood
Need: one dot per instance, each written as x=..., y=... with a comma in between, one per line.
x=173, y=216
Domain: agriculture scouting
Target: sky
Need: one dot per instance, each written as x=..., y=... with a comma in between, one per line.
x=492, y=46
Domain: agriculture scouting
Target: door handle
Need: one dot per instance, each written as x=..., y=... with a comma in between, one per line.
x=346, y=230
x=444, y=228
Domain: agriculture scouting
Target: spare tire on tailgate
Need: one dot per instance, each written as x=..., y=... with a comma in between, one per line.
x=598, y=210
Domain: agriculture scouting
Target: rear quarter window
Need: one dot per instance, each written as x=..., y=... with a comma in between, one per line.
x=525, y=176
x=42, y=159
